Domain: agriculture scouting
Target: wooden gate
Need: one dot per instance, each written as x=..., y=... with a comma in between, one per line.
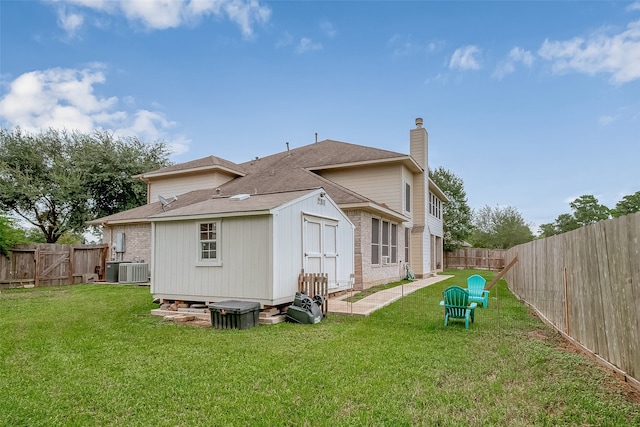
x=51, y=264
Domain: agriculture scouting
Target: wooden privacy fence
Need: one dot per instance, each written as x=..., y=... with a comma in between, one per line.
x=487, y=259
x=51, y=264
x=314, y=284
x=586, y=283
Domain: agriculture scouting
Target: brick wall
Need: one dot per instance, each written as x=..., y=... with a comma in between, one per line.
x=137, y=242
x=367, y=275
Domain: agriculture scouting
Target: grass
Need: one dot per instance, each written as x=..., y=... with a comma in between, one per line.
x=91, y=355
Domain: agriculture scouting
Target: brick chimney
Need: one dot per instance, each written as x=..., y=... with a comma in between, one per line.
x=419, y=144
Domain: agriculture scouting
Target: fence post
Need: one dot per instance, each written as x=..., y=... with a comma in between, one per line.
x=36, y=260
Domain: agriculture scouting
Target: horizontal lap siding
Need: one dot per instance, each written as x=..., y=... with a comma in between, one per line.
x=180, y=185
x=382, y=184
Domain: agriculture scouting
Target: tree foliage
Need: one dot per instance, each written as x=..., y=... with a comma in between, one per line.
x=586, y=210
x=628, y=205
x=499, y=228
x=10, y=234
x=57, y=180
x=456, y=213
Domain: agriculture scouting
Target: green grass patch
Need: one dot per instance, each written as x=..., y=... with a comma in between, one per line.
x=374, y=289
x=92, y=355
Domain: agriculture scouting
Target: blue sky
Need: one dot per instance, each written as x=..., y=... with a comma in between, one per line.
x=531, y=103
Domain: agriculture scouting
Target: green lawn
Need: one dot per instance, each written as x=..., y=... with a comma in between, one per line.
x=91, y=355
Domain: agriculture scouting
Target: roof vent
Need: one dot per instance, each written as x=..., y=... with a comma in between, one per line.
x=240, y=197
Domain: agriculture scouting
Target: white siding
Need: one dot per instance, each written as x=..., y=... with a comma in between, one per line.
x=382, y=184
x=176, y=185
x=262, y=256
x=246, y=254
x=288, y=239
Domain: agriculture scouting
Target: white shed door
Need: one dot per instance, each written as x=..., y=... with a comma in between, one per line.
x=320, y=248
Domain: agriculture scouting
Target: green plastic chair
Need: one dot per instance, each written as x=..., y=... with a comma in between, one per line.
x=477, y=293
x=456, y=305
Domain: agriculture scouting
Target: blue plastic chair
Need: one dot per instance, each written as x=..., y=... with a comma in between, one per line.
x=477, y=293
x=456, y=305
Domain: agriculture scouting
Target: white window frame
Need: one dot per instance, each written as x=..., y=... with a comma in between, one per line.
x=435, y=206
x=217, y=240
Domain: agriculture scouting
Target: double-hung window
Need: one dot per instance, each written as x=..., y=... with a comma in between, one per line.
x=209, y=243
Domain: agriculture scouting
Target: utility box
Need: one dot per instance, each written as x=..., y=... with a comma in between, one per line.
x=234, y=314
x=112, y=270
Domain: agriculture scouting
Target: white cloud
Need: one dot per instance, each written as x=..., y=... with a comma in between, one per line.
x=617, y=54
x=403, y=45
x=465, y=58
x=606, y=120
x=64, y=98
x=508, y=66
x=70, y=22
x=163, y=14
x=286, y=39
x=307, y=45
x=328, y=29
x=633, y=6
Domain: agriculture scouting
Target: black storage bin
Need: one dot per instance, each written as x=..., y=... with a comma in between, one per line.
x=234, y=314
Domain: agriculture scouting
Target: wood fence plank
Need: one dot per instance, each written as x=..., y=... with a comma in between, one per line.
x=587, y=284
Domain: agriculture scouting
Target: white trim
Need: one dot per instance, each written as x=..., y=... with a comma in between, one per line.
x=217, y=261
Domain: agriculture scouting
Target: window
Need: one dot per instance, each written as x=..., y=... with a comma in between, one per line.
x=394, y=243
x=384, y=242
x=375, y=241
x=208, y=241
x=407, y=233
x=407, y=197
x=435, y=206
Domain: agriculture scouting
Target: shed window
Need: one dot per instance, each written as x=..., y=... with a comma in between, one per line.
x=209, y=243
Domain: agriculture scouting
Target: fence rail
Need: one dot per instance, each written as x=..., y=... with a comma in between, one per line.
x=586, y=283
x=51, y=264
x=487, y=259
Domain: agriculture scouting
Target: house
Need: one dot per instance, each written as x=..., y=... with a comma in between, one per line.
x=396, y=211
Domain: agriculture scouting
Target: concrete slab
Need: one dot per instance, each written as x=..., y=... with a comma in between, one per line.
x=368, y=305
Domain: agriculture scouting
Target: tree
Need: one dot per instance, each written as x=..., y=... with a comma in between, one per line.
x=57, y=180
x=10, y=234
x=547, y=230
x=499, y=228
x=629, y=204
x=587, y=210
x=566, y=222
x=456, y=213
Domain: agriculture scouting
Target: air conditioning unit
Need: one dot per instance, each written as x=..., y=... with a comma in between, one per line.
x=133, y=272
x=385, y=260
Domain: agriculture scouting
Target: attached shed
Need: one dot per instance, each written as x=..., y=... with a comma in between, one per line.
x=250, y=247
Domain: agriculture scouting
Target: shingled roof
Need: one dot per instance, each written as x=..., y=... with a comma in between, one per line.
x=284, y=172
x=205, y=163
